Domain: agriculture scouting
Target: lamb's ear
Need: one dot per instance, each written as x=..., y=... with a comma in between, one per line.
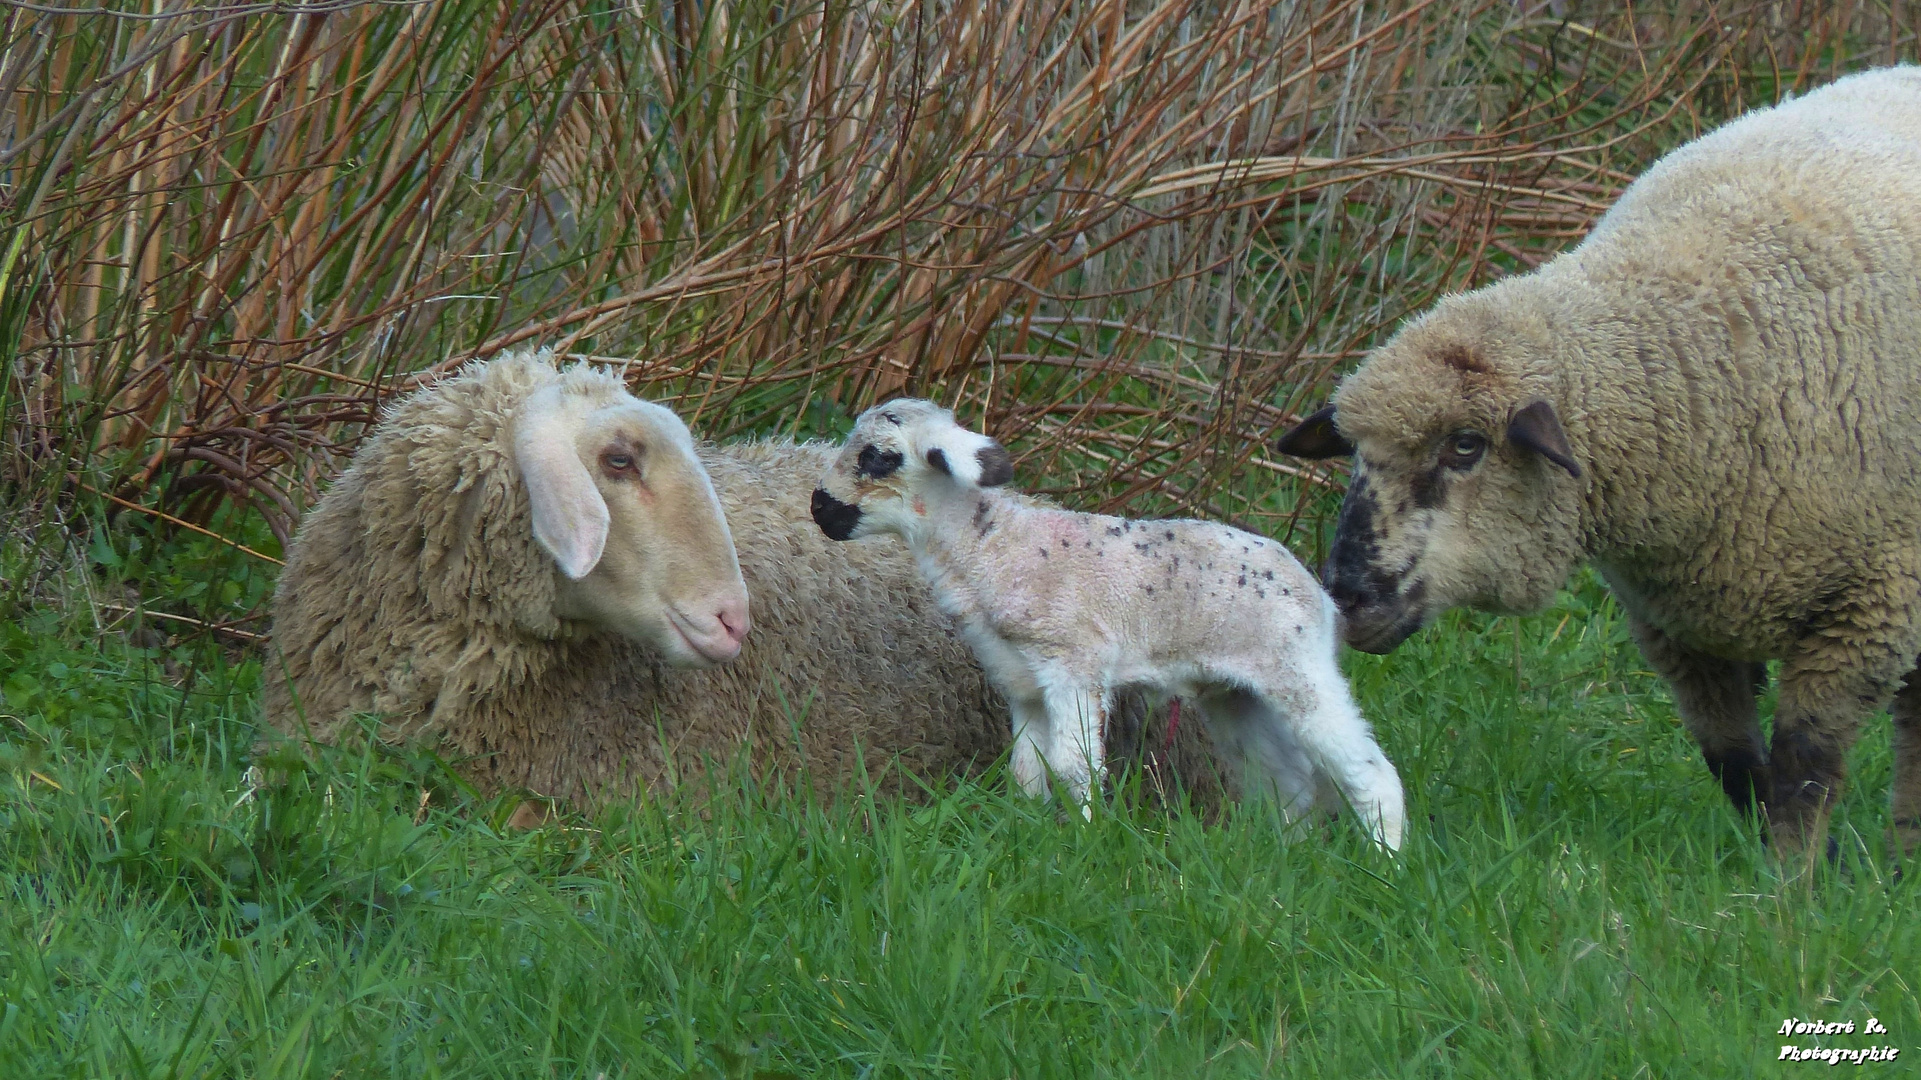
x=1315, y=438
x=972, y=460
x=1536, y=428
x=570, y=517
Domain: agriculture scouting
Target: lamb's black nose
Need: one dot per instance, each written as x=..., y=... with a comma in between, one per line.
x=835, y=518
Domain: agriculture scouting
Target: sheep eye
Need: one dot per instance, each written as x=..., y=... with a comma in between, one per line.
x=1463, y=449
x=619, y=461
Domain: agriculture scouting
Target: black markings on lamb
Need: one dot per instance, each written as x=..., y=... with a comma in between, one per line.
x=877, y=464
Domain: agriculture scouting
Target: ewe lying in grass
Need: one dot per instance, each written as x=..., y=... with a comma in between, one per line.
x=1714, y=400
x=1065, y=608
x=522, y=564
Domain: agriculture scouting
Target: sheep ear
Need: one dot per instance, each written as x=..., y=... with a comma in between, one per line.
x=1536, y=428
x=985, y=463
x=1315, y=438
x=570, y=517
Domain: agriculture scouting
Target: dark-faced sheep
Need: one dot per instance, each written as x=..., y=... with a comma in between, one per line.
x=1716, y=400
x=1066, y=609
x=441, y=587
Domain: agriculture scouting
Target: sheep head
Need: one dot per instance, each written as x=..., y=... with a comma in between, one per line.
x=626, y=510
x=1465, y=487
x=899, y=454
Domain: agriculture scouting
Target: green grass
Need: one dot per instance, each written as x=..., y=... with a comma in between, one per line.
x=1574, y=900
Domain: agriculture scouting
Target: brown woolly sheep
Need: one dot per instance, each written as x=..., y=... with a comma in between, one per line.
x=421, y=590
x=1716, y=400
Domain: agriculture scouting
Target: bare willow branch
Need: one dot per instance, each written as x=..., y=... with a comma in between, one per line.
x=1133, y=237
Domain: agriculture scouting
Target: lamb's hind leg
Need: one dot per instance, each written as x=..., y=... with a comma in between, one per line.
x=1269, y=759
x=1310, y=696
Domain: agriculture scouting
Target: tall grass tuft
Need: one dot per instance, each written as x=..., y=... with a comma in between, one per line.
x=1134, y=237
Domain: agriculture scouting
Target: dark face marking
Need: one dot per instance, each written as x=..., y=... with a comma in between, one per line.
x=835, y=518
x=1460, y=452
x=997, y=465
x=1376, y=614
x=875, y=463
x=1430, y=488
x=938, y=459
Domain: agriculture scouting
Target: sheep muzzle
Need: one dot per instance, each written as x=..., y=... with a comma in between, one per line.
x=835, y=518
x=1379, y=606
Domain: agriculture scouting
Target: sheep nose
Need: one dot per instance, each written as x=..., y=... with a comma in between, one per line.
x=734, y=619
x=1340, y=589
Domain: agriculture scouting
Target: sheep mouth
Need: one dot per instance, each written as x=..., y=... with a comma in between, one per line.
x=1380, y=629
x=1384, y=640
x=709, y=648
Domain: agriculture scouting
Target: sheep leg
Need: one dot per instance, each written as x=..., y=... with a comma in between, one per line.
x=1076, y=718
x=1827, y=688
x=1251, y=734
x=1716, y=700
x=1322, y=717
x=1906, y=824
x=1033, y=735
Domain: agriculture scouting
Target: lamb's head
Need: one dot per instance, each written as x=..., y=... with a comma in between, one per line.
x=1465, y=488
x=900, y=454
x=627, y=511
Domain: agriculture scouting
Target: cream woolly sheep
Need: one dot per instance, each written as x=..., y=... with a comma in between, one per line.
x=1716, y=400
x=419, y=589
x=1065, y=608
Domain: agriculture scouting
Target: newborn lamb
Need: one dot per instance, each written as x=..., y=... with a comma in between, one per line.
x=1064, y=608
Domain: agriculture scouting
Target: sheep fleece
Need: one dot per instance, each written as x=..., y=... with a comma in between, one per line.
x=415, y=593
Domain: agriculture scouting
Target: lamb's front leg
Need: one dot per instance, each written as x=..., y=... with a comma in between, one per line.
x=1033, y=739
x=1077, y=718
